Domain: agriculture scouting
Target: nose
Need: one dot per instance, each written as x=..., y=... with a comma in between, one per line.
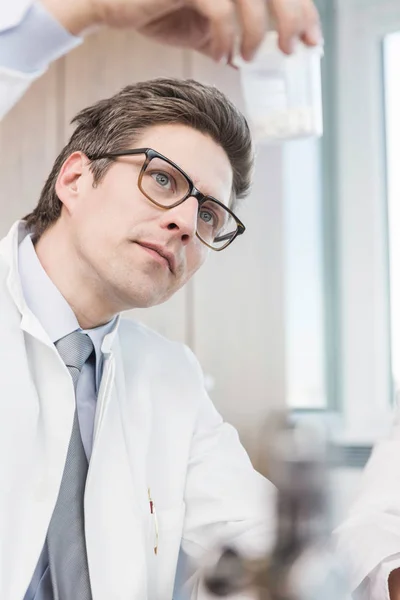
x=182, y=219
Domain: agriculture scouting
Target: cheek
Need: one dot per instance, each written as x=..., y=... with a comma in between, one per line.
x=196, y=256
x=102, y=211
x=96, y=227
x=117, y=206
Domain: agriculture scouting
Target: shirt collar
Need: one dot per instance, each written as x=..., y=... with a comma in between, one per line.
x=51, y=308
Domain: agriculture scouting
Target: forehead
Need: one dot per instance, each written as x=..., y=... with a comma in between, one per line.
x=205, y=162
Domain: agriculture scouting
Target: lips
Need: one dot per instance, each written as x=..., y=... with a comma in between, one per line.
x=168, y=256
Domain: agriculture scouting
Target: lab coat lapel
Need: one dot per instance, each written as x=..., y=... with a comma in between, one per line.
x=35, y=425
x=116, y=502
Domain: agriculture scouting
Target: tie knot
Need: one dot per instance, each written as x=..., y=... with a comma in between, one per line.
x=75, y=348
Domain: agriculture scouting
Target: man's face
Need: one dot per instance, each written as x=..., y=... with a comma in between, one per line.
x=110, y=225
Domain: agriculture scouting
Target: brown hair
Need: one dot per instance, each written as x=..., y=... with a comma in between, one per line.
x=114, y=124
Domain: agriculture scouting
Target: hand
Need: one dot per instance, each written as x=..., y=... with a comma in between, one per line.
x=208, y=26
x=394, y=585
x=296, y=19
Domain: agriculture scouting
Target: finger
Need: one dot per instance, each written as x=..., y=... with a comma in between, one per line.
x=295, y=19
x=252, y=16
x=221, y=17
x=312, y=35
x=288, y=15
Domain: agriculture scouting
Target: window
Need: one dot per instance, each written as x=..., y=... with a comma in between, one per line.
x=391, y=54
x=361, y=338
x=308, y=230
x=362, y=66
x=304, y=294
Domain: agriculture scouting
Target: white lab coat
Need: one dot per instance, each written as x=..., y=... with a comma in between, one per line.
x=371, y=532
x=155, y=429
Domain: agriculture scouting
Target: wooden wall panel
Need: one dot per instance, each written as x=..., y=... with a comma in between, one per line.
x=110, y=60
x=238, y=301
x=29, y=142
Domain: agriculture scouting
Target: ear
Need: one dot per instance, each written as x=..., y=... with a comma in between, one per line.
x=69, y=182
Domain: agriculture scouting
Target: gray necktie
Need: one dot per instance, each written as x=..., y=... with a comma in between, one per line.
x=68, y=563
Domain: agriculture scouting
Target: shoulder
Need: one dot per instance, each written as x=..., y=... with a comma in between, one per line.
x=170, y=370
x=133, y=332
x=134, y=336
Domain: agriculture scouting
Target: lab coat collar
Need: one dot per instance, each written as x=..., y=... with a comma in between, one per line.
x=29, y=322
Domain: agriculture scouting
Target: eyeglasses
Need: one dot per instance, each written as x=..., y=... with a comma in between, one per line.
x=167, y=186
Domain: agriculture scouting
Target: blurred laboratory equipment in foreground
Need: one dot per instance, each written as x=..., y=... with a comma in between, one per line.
x=303, y=564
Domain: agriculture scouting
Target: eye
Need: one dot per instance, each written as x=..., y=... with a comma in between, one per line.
x=163, y=179
x=208, y=217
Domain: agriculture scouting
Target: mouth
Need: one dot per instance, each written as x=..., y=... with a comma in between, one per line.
x=160, y=254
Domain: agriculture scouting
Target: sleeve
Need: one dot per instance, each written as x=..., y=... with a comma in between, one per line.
x=369, y=540
x=227, y=501
x=378, y=580
x=30, y=39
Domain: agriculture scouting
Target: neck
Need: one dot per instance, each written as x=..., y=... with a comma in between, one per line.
x=74, y=279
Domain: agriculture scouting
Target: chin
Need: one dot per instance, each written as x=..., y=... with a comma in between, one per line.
x=144, y=300
x=139, y=292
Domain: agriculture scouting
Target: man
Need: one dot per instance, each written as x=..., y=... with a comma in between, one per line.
x=115, y=462
x=120, y=225
x=32, y=34
x=143, y=192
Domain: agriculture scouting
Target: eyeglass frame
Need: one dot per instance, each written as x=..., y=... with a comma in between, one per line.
x=193, y=190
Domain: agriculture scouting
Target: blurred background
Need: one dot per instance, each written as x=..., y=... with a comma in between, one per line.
x=304, y=310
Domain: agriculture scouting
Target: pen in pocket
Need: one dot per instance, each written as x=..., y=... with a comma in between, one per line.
x=154, y=514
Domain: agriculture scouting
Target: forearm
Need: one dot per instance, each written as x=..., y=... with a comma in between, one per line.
x=394, y=585
x=76, y=16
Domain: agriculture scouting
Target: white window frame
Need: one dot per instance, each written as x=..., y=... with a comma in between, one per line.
x=392, y=104
x=362, y=245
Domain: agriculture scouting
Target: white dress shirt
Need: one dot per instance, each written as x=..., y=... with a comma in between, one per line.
x=36, y=41
x=58, y=320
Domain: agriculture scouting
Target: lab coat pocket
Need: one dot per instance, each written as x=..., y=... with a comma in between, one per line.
x=163, y=543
